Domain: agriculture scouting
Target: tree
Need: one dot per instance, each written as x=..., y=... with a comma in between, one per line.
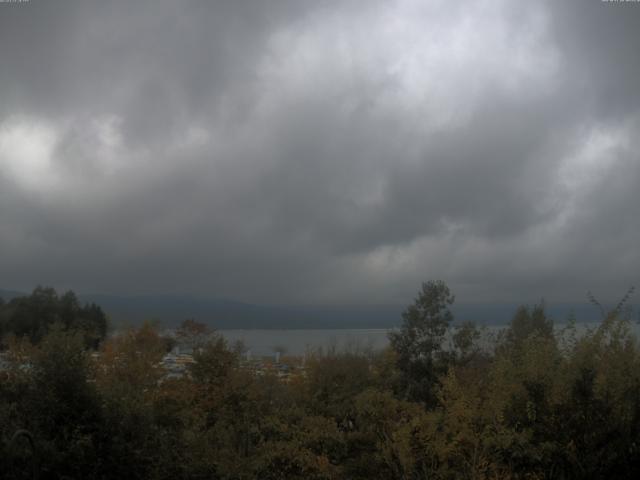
x=418, y=343
x=128, y=372
x=332, y=382
x=465, y=342
x=62, y=408
x=193, y=333
x=214, y=362
x=33, y=315
x=527, y=322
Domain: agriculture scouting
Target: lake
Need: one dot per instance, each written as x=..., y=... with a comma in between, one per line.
x=298, y=342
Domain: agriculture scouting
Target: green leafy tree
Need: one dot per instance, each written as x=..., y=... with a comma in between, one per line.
x=466, y=347
x=419, y=342
x=527, y=322
x=62, y=408
x=128, y=374
x=33, y=315
x=333, y=379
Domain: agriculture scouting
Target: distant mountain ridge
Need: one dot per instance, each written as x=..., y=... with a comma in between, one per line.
x=170, y=310
x=9, y=294
x=228, y=314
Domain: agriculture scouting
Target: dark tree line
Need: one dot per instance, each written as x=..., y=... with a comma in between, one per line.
x=33, y=316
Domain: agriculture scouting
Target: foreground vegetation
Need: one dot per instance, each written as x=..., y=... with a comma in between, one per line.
x=441, y=402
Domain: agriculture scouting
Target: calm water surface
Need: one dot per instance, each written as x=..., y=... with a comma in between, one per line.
x=298, y=342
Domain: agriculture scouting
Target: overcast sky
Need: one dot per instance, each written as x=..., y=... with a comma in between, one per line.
x=321, y=152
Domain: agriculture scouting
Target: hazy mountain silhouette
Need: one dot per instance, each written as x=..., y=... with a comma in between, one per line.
x=169, y=310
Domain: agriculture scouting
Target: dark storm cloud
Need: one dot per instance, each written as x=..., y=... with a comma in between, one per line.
x=320, y=151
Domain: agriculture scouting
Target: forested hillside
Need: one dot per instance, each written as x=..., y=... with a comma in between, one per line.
x=534, y=403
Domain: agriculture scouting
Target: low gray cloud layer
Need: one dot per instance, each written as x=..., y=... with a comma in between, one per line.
x=321, y=152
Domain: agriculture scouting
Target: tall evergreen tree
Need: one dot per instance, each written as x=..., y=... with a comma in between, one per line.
x=418, y=344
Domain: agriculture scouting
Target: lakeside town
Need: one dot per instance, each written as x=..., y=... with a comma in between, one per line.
x=286, y=368
x=176, y=363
